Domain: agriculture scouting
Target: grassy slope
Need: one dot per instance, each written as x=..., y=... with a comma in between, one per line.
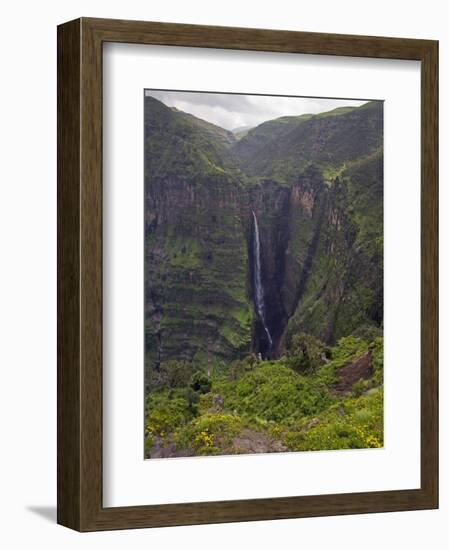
x=298, y=411
x=284, y=147
x=179, y=144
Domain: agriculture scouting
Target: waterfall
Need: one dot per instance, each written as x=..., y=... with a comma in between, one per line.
x=259, y=297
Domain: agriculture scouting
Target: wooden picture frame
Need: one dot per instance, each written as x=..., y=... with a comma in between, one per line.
x=80, y=503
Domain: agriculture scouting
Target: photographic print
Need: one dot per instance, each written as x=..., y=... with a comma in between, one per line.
x=263, y=260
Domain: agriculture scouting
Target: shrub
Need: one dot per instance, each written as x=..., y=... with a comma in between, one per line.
x=377, y=348
x=200, y=382
x=348, y=348
x=275, y=392
x=368, y=332
x=306, y=353
x=338, y=435
x=175, y=373
x=148, y=444
x=360, y=387
x=171, y=374
x=241, y=366
x=353, y=424
x=192, y=398
x=209, y=434
x=164, y=412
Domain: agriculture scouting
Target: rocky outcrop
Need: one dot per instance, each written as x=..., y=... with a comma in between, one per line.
x=354, y=371
x=249, y=441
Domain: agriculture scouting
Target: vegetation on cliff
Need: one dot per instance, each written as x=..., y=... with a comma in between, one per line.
x=314, y=183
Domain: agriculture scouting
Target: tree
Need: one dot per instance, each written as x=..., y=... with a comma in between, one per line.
x=306, y=353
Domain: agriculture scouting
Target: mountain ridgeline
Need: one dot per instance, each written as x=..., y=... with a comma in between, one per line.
x=294, y=205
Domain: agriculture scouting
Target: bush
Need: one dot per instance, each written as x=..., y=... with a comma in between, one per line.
x=368, y=333
x=360, y=387
x=306, y=353
x=330, y=437
x=164, y=412
x=201, y=382
x=274, y=392
x=171, y=374
x=377, y=349
x=210, y=434
x=352, y=424
x=192, y=398
x=175, y=373
x=148, y=444
x=348, y=348
x=241, y=366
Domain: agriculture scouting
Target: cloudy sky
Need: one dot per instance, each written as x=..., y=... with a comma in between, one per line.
x=231, y=111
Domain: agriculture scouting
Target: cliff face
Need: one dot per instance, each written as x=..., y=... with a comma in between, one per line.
x=196, y=262
x=315, y=184
x=343, y=290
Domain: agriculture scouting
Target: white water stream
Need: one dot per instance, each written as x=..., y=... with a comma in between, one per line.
x=259, y=296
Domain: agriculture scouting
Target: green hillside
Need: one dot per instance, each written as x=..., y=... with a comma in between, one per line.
x=284, y=147
x=301, y=402
x=314, y=184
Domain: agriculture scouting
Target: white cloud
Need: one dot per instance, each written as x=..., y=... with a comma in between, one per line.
x=233, y=110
